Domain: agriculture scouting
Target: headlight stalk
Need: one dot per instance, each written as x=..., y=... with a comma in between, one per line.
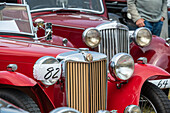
x=121, y=67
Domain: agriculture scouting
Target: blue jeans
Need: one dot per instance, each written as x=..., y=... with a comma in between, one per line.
x=154, y=27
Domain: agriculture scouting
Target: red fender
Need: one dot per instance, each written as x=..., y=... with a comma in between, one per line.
x=119, y=99
x=34, y=90
x=15, y=79
x=157, y=53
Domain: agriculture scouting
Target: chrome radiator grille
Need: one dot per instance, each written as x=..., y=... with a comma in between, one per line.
x=86, y=86
x=114, y=41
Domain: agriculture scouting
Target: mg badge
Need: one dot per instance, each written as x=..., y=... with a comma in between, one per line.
x=89, y=57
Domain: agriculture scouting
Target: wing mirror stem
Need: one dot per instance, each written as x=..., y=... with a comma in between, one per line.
x=48, y=29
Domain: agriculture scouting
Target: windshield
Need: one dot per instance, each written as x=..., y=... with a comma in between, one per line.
x=94, y=6
x=14, y=19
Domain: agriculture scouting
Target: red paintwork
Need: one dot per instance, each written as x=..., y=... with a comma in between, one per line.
x=19, y=80
x=25, y=55
x=130, y=92
x=157, y=53
x=68, y=20
x=78, y=20
x=10, y=79
x=85, y=21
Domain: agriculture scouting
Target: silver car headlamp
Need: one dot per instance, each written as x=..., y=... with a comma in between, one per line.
x=91, y=37
x=132, y=109
x=47, y=69
x=64, y=110
x=121, y=66
x=142, y=36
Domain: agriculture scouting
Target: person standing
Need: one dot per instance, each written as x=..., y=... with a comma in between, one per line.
x=148, y=13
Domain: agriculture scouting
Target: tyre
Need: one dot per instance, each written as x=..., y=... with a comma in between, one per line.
x=153, y=99
x=19, y=99
x=166, y=91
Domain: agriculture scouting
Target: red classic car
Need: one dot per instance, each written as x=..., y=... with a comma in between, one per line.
x=157, y=53
x=82, y=23
x=85, y=24
x=38, y=75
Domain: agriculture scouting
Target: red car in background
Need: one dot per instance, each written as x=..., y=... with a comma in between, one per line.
x=38, y=75
x=85, y=24
x=83, y=20
x=157, y=53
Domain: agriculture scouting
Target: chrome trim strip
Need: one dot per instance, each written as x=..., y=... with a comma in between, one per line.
x=111, y=25
x=68, y=26
x=77, y=56
x=64, y=110
x=38, y=43
x=66, y=79
x=106, y=83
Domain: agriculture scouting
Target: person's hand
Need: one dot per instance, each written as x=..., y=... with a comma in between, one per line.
x=162, y=19
x=140, y=22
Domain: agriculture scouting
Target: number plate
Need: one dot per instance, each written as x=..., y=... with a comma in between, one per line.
x=163, y=83
x=47, y=71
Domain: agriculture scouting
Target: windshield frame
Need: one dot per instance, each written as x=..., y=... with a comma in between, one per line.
x=29, y=19
x=78, y=9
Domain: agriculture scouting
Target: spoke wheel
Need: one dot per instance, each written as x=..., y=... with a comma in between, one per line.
x=146, y=105
x=153, y=99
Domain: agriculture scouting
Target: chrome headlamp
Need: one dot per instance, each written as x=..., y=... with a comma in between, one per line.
x=132, y=109
x=47, y=69
x=91, y=37
x=64, y=110
x=142, y=36
x=121, y=66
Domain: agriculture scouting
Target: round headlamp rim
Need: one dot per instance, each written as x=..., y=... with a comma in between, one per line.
x=85, y=34
x=130, y=107
x=136, y=33
x=40, y=61
x=115, y=59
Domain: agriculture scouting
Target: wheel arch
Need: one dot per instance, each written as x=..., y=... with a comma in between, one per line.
x=130, y=93
x=18, y=81
x=36, y=93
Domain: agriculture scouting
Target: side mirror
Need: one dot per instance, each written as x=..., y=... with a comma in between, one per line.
x=39, y=22
x=48, y=29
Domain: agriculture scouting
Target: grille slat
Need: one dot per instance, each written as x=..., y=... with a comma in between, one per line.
x=86, y=86
x=117, y=41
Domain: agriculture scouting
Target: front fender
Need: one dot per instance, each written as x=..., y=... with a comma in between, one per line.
x=15, y=79
x=119, y=99
x=157, y=53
